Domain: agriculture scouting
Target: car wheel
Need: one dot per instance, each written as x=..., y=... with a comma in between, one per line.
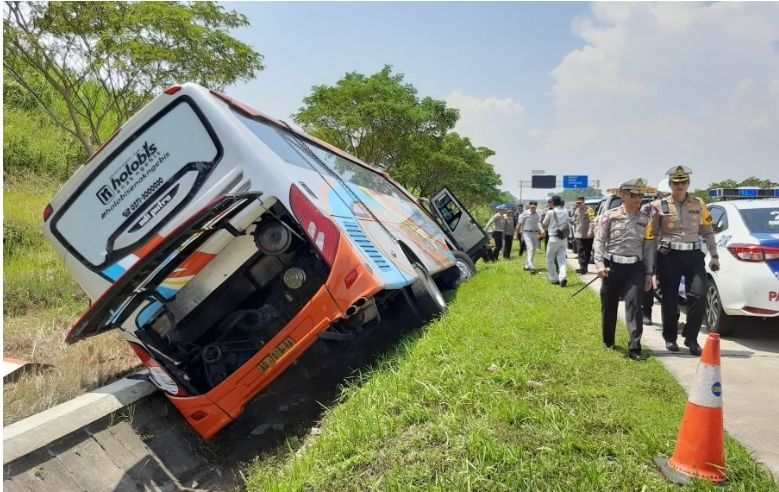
x=716, y=319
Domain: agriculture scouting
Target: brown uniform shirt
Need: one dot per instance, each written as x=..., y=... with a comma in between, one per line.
x=583, y=222
x=620, y=233
x=681, y=222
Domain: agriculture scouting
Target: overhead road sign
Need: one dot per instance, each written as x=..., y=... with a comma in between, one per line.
x=575, y=182
x=543, y=181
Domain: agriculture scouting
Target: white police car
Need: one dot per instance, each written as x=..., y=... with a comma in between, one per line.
x=746, y=226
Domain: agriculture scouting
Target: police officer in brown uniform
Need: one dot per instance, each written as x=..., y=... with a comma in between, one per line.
x=583, y=231
x=677, y=222
x=623, y=261
x=494, y=227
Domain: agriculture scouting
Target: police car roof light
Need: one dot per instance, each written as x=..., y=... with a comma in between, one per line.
x=742, y=192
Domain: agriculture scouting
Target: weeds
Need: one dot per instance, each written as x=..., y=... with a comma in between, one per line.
x=40, y=302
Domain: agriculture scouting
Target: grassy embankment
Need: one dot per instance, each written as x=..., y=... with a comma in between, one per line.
x=508, y=391
x=40, y=302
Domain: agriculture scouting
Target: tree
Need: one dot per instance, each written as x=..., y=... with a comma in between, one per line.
x=377, y=119
x=381, y=121
x=457, y=164
x=570, y=195
x=105, y=60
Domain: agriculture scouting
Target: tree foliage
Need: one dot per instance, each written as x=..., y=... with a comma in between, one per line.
x=382, y=121
x=105, y=60
x=377, y=119
x=455, y=163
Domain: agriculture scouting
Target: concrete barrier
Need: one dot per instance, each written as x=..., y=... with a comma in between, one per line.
x=37, y=431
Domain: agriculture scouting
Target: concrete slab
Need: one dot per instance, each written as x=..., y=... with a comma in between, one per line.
x=37, y=431
x=750, y=375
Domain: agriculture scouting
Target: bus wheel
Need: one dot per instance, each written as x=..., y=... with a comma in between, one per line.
x=425, y=298
x=464, y=264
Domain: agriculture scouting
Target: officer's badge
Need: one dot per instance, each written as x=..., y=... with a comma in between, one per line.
x=639, y=183
x=617, y=233
x=680, y=172
x=671, y=225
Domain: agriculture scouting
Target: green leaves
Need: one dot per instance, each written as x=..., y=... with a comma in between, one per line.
x=105, y=60
x=382, y=121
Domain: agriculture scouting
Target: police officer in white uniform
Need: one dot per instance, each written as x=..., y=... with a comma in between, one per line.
x=527, y=228
x=677, y=222
x=623, y=261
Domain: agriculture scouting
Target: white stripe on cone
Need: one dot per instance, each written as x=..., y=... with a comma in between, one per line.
x=707, y=388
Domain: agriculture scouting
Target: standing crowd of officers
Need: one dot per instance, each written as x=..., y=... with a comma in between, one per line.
x=629, y=244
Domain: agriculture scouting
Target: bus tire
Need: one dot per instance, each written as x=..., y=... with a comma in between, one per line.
x=465, y=264
x=425, y=297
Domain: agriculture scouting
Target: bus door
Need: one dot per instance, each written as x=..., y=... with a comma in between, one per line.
x=458, y=223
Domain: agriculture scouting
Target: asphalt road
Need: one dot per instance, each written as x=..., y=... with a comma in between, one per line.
x=750, y=377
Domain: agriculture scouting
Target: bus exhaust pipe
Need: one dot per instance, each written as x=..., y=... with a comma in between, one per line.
x=358, y=305
x=362, y=311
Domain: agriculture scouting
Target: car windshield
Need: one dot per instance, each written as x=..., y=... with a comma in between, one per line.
x=761, y=220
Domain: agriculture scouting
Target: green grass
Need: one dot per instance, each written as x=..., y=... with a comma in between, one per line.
x=34, y=278
x=511, y=391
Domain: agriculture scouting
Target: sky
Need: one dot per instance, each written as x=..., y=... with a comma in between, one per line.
x=611, y=91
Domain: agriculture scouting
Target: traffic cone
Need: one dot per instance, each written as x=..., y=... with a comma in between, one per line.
x=700, y=446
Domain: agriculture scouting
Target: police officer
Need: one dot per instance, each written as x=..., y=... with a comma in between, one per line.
x=623, y=261
x=494, y=228
x=522, y=245
x=583, y=232
x=527, y=229
x=508, y=232
x=677, y=222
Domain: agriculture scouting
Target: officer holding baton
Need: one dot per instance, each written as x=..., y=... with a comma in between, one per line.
x=624, y=263
x=676, y=224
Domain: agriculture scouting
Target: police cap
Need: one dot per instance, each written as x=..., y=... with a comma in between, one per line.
x=532, y=203
x=679, y=173
x=634, y=186
x=580, y=199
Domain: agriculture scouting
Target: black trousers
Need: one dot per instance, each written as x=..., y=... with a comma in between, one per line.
x=626, y=281
x=672, y=265
x=508, y=241
x=497, y=236
x=584, y=249
x=649, y=301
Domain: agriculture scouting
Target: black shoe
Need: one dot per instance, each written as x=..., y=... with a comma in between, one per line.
x=695, y=349
x=532, y=271
x=525, y=268
x=636, y=355
x=563, y=282
x=672, y=346
x=647, y=321
x=556, y=282
x=608, y=346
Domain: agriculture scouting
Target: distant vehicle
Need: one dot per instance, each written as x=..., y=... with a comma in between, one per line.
x=747, y=233
x=224, y=245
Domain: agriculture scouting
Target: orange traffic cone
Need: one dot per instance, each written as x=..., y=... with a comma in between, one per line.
x=700, y=446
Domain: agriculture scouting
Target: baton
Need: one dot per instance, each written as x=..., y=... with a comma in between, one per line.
x=587, y=284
